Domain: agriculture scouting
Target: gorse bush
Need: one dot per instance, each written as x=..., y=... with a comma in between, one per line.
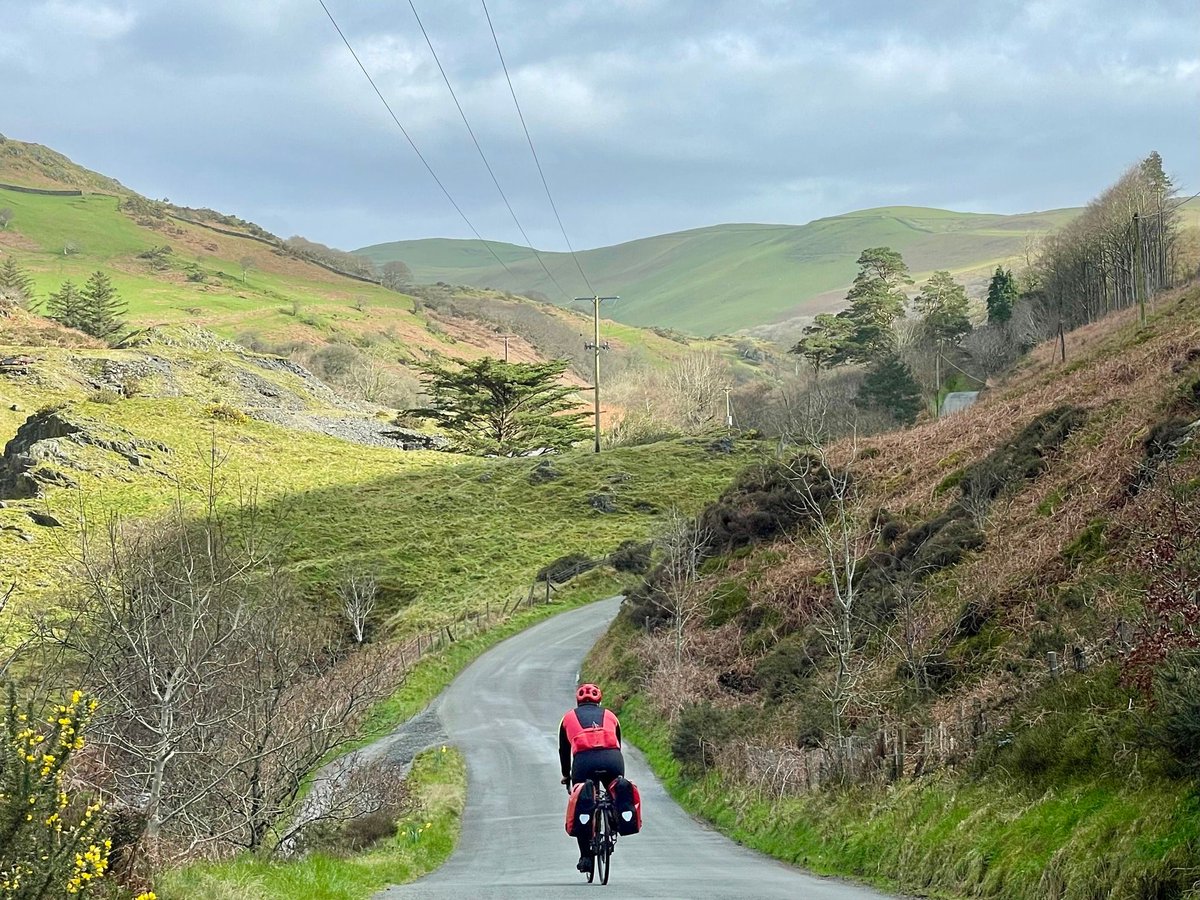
x=50, y=842
x=1178, y=695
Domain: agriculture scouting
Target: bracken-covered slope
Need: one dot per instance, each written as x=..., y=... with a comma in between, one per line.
x=1027, y=573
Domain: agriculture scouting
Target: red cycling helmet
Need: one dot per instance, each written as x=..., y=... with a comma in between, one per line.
x=588, y=693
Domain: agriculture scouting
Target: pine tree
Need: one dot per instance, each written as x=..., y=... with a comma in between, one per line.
x=826, y=342
x=890, y=386
x=876, y=301
x=946, y=310
x=103, y=306
x=1001, y=296
x=15, y=281
x=66, y=306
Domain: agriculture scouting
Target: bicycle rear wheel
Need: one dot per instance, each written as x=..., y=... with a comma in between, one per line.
x=604, y=850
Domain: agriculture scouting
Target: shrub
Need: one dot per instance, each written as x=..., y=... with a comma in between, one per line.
x=631, y=556
x=1178, y=694
x=783, y=671
x=702, y=728
x=107, y=396
x=1025, y=456
x=50, y=843
x=223, y=412
x=763, y=502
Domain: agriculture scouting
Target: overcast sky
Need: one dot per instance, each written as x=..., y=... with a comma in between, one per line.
x=649, y=115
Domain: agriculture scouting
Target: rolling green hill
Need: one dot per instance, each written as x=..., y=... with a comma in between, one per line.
x=729, y=277
x=277, y=299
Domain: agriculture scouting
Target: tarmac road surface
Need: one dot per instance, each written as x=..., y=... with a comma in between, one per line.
x=503, y=713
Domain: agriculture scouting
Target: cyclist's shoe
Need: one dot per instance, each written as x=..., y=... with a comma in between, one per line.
x=584, y=864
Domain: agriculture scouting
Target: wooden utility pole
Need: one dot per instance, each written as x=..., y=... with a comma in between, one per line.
x=596, y=348
x=728, y=413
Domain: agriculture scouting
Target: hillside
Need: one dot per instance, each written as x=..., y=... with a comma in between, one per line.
x=979, y=682
x=731, y=277
x=223, y=274
x=135, y=426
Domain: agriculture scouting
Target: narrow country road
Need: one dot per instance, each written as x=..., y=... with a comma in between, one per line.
x=503, y=712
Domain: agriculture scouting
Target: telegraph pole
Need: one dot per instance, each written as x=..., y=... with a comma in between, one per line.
x=595, y=347
x=728, y=412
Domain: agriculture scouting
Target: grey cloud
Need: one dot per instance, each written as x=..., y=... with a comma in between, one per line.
x=649, y=115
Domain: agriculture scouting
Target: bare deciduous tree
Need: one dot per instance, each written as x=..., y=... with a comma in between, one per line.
x=359, y=593
x=219, y=691
x=845, y=535
x=695, y=385
x=677, y=593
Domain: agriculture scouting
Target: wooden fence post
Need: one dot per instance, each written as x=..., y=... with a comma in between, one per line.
x=1052, y=662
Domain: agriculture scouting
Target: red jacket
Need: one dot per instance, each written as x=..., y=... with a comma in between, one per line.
x=587, y=727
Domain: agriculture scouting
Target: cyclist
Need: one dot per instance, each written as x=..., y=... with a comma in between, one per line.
x=589, y=748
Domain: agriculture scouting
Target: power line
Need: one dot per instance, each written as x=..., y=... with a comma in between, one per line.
x=411, y=142
x=483, y=156
x=532, y=150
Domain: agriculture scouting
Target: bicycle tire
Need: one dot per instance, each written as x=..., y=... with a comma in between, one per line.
x=604, y=856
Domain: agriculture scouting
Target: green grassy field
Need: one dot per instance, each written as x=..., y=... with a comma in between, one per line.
x=734, y=276
x=445, y=533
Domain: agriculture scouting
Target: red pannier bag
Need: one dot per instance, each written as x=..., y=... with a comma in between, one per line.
x=627, y=801
x=581, y=806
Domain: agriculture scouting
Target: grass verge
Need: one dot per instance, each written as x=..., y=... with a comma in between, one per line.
x=950, y=837
x=423, y=841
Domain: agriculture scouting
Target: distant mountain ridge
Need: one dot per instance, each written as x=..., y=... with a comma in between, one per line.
x=727, y=277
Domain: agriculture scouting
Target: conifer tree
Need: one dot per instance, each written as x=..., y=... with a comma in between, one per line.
x=66, y=306
x=826, y=342
x=1001, y=296
x=946, y=310
x=876, y=300
x=103, y=306
x=491, y=406
x=890, y=387
x=15, y=281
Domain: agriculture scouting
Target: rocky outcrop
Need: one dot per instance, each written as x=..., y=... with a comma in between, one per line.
x=42, y=449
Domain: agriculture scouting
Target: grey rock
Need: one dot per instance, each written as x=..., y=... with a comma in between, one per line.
x=721, y=445
x=44, y=519
x=40, y=450
x=604, y=503
x=543, y=472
